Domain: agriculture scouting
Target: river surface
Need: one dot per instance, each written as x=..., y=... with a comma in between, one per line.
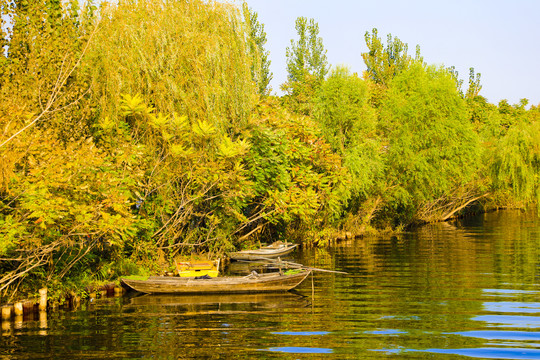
x=462, y=290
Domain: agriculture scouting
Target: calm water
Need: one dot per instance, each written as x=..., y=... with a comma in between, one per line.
x=463, y=290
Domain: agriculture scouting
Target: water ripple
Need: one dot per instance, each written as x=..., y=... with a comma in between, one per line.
x=491, y=353
x=501, y=335
x=299, y=350
x=507, y=292
x=512, y=307
x=514, y=321
x=390, y=332
x=301, y=333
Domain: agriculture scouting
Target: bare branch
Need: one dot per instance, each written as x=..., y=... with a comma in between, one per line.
x=451, y=213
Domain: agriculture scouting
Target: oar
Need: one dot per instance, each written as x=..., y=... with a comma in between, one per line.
x=292, y=264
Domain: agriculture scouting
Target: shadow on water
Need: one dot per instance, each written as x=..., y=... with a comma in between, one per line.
x=462, y=290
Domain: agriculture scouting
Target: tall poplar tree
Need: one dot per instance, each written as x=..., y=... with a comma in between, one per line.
x=307, y=56
x=260, y=69
x=474, y=84
x=383, y=63
x=307, y=66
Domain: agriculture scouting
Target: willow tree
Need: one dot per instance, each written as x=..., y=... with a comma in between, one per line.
x=46, y=44
x=189, y=57
x=515, y=165
x=432, y=152
x=512, y=155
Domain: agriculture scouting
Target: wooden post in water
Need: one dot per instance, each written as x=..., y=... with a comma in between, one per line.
x=6, y=313
x=18, y=322
x=6, y=326
x=312, y=294
x=18, y=319
x=42, y=323
x=28, y=307
x=18, y=308
x=76, y=301
x=43, y=299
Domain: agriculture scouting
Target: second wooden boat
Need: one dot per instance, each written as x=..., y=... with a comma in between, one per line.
x=253, y=283
x=272, y=251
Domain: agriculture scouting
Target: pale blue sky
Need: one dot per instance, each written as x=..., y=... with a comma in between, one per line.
x=500, y=39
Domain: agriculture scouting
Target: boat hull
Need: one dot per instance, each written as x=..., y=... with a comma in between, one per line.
x=271, y=282
x=266, y=252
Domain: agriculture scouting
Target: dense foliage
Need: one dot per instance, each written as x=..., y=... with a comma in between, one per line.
x=134, y=133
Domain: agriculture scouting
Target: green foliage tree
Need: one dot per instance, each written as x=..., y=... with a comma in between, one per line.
x=193, y=182
x=260, y=68
x=349, y=124
x=299, y=181
x=343, y=111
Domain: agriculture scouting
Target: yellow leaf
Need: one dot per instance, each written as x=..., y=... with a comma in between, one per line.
x=134, y=105
x=159, y=121
x=180, y=150
x=203, y=129
x=180, y=123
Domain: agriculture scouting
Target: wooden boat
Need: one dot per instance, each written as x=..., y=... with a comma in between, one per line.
x=253, y=283
x=275, y=250
x=194, y=268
